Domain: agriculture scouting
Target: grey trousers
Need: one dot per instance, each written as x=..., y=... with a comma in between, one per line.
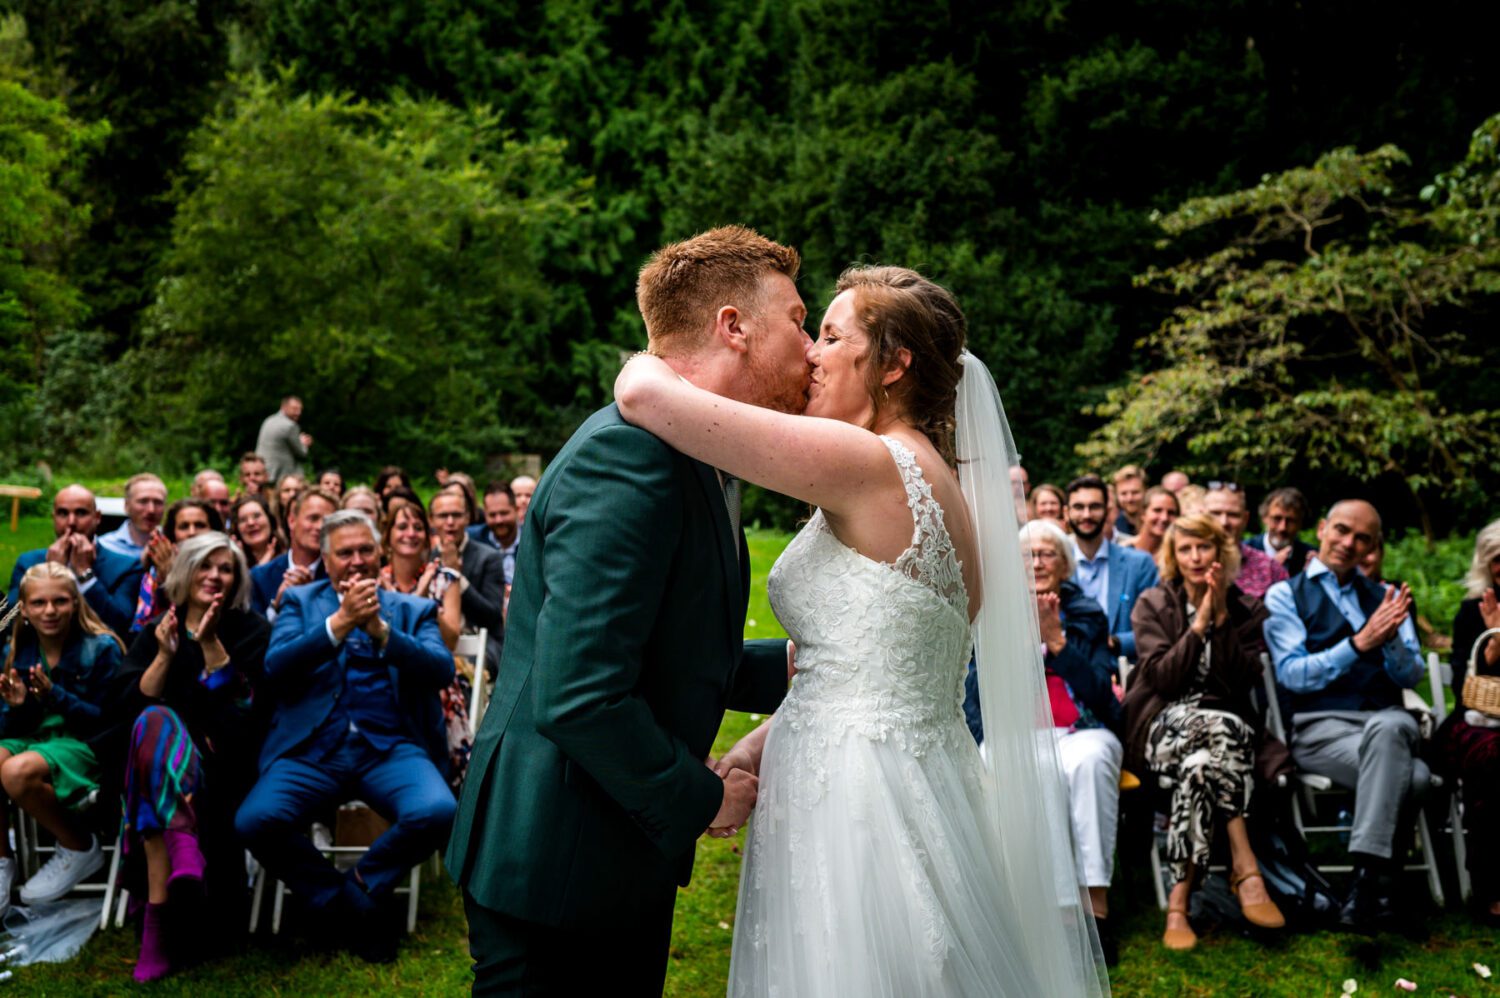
x=1372, y=753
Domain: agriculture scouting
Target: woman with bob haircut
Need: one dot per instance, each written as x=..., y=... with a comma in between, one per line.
x=1189, y=715
x=190, y=681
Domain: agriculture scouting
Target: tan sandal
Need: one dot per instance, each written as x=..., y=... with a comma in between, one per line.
x=1263, y=914
x=1179, y=940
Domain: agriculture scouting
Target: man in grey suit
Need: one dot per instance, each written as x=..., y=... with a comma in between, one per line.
x=480, y=568
x=282, y=443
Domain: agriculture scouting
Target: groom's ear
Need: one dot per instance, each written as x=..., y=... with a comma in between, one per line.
x=729, y=329
x=900, y=364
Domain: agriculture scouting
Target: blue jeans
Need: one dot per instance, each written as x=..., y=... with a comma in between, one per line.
x=402, y=785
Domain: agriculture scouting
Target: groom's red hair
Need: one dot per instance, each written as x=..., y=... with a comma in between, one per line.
x=683, y=286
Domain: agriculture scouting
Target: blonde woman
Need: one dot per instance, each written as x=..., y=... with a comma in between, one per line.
x=1158, y=509
x=59, y=661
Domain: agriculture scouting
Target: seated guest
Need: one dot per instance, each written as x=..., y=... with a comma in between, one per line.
x=109, y=582
x=411, y=568
x=1225, y=502
x=185, y=518
x=1020, y=484
x=1190, y=499
x=1048, y=503
x=331, y=480
x=1344, y=649
x=1130, y=495
x=303, y=561
x=1189, y=715
x=501, y=528
x=59, y=661
x=252, y=474
x=355, y=672
x=145, y=504
x=252, y=525
x=1158, y=510
x=1468, y=746
x=216, y=494
x=522, y=486
x=364, y=499
x=190, y=682
x=1284, y=512
x=201, y=479
x=285, y=493
x=481, y=571
x=390, y=478
x=1174, y=481
x=1110, y=575
x=459, y=480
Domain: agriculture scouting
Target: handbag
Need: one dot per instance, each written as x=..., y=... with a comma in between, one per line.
x=1482, y=693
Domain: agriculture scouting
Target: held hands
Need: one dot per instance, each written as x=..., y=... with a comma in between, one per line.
x=1049, y=617
x=740, y=790
x=1386, y=620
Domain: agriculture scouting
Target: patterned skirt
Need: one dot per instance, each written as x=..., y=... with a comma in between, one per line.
x=162, y=773
x=1210, y=756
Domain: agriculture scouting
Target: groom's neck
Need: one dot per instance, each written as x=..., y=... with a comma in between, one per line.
x=709, y=371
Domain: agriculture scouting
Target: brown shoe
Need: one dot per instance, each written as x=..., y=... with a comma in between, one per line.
x=1263, y=914
x=1179, y=940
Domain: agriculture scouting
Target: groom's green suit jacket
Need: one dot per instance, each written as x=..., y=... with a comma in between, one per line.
x=623, y=647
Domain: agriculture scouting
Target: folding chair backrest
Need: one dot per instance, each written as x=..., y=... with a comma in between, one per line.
x=1125, y=670
x=1273, y=703
x=473, y=647
x=1439, y=675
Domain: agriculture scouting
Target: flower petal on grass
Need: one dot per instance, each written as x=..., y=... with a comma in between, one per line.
x=1482, y=970
x=1350, y=986
x=1406, y=985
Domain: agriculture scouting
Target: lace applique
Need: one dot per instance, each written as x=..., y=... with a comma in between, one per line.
x=930, y=559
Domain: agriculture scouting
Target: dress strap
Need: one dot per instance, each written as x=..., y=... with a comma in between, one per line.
x=930, y=559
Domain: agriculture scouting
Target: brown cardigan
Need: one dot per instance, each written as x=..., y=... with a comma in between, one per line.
x=1169, y=652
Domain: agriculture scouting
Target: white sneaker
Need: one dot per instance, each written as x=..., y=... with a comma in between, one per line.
x=64, y=871
x=7, y=881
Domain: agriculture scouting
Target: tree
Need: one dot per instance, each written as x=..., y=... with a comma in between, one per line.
x=379, y=259
x=1329, y=325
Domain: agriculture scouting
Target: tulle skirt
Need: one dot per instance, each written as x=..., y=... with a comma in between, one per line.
x=872, y=870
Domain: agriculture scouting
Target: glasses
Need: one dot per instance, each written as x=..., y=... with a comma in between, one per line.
x=1042, y=554
x=1224, y=487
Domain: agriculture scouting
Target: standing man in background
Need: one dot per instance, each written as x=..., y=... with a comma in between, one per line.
x=282, y=443
x=521, y=488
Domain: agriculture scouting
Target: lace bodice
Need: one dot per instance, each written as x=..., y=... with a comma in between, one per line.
x=881, y=647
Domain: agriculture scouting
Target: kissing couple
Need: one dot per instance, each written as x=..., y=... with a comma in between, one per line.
x=885, y=857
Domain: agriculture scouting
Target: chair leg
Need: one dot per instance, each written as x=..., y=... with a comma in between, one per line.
x=1429, y=859
x=411, y=900
x=1156, y=872
x=256, y=894
x=121, y=908
x=1460, y=847
x=111, y=878
x=280, y=896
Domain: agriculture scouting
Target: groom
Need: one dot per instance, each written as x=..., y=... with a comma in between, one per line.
x=588, y=789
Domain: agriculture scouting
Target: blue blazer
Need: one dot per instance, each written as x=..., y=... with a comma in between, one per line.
x=481, y=532
x=305, y=671
x=114, y=593
x=266, y=579
x=80, y=688
x=1131, y=573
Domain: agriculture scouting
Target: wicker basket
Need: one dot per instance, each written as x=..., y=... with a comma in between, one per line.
x=1482, y=693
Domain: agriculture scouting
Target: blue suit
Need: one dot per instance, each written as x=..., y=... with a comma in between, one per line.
x=266, y=579
x=113, y=595
x=350, y=719
x=1131, y=573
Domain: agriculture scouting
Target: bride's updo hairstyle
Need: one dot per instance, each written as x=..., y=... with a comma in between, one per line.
x=897, y=307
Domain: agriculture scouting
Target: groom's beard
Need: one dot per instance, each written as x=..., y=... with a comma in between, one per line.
x=776, y=388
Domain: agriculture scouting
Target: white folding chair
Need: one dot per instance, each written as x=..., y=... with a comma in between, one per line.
x=1439, y=678
x=29, y=859
x=1314, y=786
x=473, y=647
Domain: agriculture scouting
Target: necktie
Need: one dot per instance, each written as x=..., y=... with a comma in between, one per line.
x=732, y=488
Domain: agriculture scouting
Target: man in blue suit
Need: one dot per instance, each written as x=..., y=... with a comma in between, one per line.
x=1110, y=575
x=302, y=562
x=110, y=582
x=355, y=672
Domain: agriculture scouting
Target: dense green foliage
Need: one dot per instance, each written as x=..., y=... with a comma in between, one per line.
x=1015, y=151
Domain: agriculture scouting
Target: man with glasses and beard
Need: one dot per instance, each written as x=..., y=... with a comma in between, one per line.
x=1110, y=575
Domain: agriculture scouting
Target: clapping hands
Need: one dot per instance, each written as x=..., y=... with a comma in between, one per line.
x=12, y=688
x=1489, y=609
x=1049, y=619
x=1386, y=620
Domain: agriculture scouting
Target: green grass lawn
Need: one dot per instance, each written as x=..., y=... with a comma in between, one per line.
x=434, y=960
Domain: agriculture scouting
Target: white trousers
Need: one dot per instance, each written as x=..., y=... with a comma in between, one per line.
x=1091, y=760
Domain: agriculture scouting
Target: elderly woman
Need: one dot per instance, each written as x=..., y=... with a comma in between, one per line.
x=1189, y=714
x=59, y=661
x=1468, y=747
x=191, y=679
x=1158, y=509
x=252, y=525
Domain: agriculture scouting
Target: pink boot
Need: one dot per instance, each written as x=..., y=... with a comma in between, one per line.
x=152, y=963
x=185, y=857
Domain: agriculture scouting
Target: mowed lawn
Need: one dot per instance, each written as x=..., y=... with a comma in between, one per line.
x=434, y=960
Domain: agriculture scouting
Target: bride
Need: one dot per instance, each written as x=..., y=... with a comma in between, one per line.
x=884, y=857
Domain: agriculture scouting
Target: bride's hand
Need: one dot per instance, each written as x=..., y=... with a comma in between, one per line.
x=746, y=752
x=635, y=379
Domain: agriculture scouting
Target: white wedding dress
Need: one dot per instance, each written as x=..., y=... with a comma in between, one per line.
x=874, y=864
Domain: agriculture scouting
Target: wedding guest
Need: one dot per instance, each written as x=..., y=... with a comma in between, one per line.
x=285, y=493
x=253, y=476
x=501, y=529
x=522, y=486
x=59, y=660
x=1468, y=743
x=1021, y=482
x=1226, y=503
x=1079, y=664
x=145, y=504
x=1111, y=516
x=1283, y=513
x=331, y=480
x=1109, y=574
x=109, y=582
x=391, y=477
x=303, y=561
x=202, y=478
x=1158, y=509
x=411, y=568
x=462, y=482
x=1130, y=495
x=1189, y=714
x=281, y=441
x=1049, y=503
x=364, y=499
x=252, y=524
x=480, y=571
x=216, y=494
x=190, y=681
x=185, y=518
x=354, y=672
x=1190, y=498
x=1174, y=481
x=1344, y=649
